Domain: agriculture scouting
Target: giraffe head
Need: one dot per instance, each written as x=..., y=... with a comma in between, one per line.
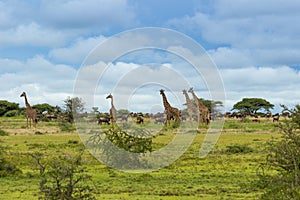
x=161, y=91
x=184, y=92
x=23, y=94
x=191, y=90
x=109, y=96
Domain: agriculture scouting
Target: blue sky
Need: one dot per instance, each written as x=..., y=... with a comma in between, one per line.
x=255, y=44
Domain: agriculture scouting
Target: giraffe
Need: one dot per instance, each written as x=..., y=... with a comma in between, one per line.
x=203, y=115
x=30, y=112
x=169, y=110
x=190, y=106
x=112, y=110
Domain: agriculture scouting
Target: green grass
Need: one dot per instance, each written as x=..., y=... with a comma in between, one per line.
x=221, y=175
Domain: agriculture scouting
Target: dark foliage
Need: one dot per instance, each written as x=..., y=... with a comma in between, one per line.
x=121, y=149
x=6, y=106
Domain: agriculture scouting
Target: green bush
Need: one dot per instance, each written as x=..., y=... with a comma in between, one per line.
x=63, y=178
x=3, y=133
x=6, y=168
x=110, y=142
x=237, y=148
x=6, y=106
x=283, y=158
x=11, y=113
x=66, y=126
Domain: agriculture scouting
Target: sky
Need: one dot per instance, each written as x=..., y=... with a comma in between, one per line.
x=254, y=44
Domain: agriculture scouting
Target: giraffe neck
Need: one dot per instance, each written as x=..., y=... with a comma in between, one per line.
x=198, y=101
x=112, y=102
x=165, y=101
x=195, y=97
x=26, y=102
x=188, y=100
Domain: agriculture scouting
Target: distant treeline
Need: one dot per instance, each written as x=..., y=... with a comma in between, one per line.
x=11, y=109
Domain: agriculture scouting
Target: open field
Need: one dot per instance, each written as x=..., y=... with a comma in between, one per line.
x=223, y=174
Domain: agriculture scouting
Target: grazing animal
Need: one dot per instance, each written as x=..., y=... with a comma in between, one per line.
x=169, y=110
x=138, y=116
x=256, y=120
x=30, y=112
x=103, y=120
x=276, y=117
x=203, y=114
x=139, y=120
x=112, y=110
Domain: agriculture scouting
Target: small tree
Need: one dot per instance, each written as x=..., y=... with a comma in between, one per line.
x=95, y=110
x=210, y=104
x=63, y=178
x=284, y=158
x=250, y=106
x=73, y=107
x=108, y=142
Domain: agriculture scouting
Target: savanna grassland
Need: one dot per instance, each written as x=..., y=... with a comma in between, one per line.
x=228, y=172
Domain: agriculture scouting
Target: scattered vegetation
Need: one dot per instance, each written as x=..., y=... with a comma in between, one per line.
x=108, y=142
x=237, y=148
x=284, y=161
x=6, y=168
x=3, y=133
x=226, y=173
x=66, y=126
x=63, y=177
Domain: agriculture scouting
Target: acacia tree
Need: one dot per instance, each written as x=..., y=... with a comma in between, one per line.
x=250, y=106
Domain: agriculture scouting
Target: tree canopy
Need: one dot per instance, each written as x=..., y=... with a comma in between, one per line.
x=6, y=106
x=44, y=107
x=252, y=105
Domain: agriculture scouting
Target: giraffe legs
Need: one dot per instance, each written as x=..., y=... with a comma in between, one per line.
x=26, y=122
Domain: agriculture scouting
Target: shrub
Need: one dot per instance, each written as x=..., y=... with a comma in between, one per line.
x=237, y=148
x=3, y=133
x=66, y=126
x=283, y=158
x=63, y=178
x=114, y=141
x=39, y=133
x=11, y=113
x=6, y=168
x=73, y=142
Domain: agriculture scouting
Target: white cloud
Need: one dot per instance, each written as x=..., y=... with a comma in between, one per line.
x=42, y=80
x=56, y=23
x=16, y=12
x=248, y=8
x=252, y=32
x=86, y=14
x=32, y=34
x=277, y=85
x=263, y=31
x=226, y=57
x=76, y=52
x=139, y=85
